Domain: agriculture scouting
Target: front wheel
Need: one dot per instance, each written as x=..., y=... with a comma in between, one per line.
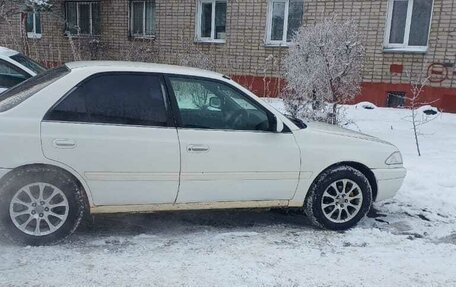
x=40, y=206
x=339, y=198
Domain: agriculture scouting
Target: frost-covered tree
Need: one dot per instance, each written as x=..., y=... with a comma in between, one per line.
x=9, y=8
x=324, y=66
x=38, y=5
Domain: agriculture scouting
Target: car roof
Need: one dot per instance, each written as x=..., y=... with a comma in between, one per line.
x=106, y=66
x=7, y=52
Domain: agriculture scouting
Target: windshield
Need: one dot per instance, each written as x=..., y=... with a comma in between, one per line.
x=29, y=63
x=19, y=93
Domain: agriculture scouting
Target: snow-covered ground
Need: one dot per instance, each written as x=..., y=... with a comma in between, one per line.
x=406, y=241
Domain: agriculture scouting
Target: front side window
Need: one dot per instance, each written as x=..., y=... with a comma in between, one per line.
x=283, y=20
x=125, y=99
x=211, y=21
x=142, y=18
x=82, y=18
x=408, y=24
x=33, y=24
x=29, y=63
x=206, y=104
x=11, y=75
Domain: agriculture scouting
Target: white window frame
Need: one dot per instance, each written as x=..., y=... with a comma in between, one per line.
x=143, y=35
x=404, y=47
x=199, y=11
x=34, y=34
x=268, y=40
x=79, y=3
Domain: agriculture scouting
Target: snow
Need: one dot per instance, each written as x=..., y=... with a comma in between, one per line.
x=428, y=108
x=366, y=105
x=406, y=241
x=41, y=3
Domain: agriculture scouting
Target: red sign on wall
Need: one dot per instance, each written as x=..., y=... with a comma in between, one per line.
x=437, y=73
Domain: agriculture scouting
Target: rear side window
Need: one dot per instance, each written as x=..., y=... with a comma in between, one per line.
x=128, y=99
x=19, y=93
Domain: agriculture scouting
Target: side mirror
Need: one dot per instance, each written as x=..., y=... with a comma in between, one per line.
x=278, y=125
x=215, y=103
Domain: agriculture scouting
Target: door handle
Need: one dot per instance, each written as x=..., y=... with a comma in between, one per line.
x=197, y=148
x=64, y=143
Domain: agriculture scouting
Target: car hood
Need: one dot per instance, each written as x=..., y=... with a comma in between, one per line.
x=339, y=131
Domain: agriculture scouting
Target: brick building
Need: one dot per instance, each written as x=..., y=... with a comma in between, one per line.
x=248, y=38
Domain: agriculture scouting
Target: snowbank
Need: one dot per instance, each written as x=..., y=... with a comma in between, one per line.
x=366, y=105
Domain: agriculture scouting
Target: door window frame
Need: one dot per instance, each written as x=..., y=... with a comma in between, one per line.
x=170, y=116
x=177, y=116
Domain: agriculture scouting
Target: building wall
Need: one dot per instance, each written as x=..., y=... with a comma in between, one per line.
x=244, y=55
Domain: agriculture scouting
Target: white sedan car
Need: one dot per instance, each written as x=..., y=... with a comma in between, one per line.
x=16, y=68
x=111, y=137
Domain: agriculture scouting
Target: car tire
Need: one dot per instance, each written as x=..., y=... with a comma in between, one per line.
x=40, y=206
x=339, y=198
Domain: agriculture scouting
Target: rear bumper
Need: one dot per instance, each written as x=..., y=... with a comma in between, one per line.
x=389, y=181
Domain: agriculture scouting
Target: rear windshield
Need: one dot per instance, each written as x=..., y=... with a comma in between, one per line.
x=29, y=63
x=19, y=93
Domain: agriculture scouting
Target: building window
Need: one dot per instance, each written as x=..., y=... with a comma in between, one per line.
x=33, y=24
x=211, y=21
x=408, y=25
x=142, y=18
x=395, y=99
x=82, y=18
x=283, y=20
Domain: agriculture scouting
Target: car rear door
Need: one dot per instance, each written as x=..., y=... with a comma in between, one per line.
x=115, y=130
x=229, y=150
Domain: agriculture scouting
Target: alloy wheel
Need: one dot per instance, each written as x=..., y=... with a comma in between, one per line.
x=341, y=201
x=39, y=209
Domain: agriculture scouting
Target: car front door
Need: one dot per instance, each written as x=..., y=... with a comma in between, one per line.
x=229, y=148
x=115, y=130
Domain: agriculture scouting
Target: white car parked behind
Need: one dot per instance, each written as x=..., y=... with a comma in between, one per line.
x=16, y=68
x=108, y=137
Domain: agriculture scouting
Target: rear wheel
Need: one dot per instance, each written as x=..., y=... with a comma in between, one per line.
x=339, y=198
x=40, y=206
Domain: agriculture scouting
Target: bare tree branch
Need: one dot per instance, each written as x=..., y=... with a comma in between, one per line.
x=417, y=86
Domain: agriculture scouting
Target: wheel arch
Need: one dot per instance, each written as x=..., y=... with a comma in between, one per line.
x=77, y=180
x=366, y=171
